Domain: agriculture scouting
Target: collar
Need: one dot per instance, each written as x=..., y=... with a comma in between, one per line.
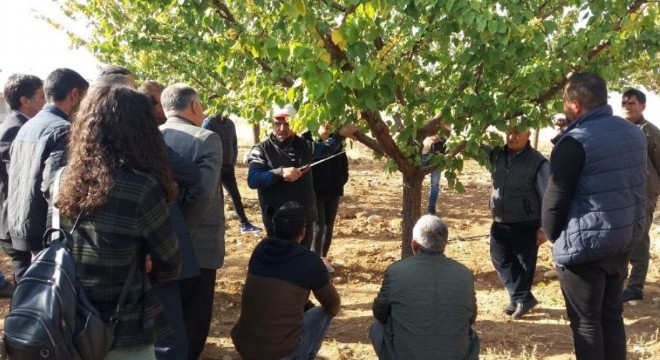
x=180, y=120
x=52, y=109
x=603, y=110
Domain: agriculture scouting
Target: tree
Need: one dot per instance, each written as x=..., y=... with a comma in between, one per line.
x=399, y=68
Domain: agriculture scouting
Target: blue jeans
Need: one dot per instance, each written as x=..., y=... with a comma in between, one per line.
x=315, y=325
x=435, y=190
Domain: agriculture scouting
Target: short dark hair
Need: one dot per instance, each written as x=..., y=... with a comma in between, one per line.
x=61, y=81
x=113, y=80
x=588, y=89
x=289, y=221
x=641, y=97
x=115, y=70
x=19, y=85
x=152, y=86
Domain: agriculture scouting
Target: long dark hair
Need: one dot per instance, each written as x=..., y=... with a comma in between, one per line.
x=113, y=128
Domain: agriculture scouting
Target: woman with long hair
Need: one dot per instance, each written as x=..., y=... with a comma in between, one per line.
x=118, y=182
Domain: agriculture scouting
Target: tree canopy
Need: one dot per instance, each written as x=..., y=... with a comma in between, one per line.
x=398, y=68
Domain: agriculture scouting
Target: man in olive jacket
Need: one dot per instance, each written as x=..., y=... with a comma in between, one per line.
x=427, y=302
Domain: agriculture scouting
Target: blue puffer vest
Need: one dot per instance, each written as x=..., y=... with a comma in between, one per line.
x=606, y=216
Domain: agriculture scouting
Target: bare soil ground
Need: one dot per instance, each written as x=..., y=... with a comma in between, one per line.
x=367, y=240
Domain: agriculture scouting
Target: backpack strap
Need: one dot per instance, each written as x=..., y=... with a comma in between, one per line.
x=114, y=319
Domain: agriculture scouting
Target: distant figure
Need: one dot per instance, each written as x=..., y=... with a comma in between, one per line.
x=519, y=177
x=427, y=303
x=633, y=104
x=594, y=214
x=434, y=144
x=278, y=169
x=273, y=323
x=37, y=152
x=225, y=128
x=25, y=96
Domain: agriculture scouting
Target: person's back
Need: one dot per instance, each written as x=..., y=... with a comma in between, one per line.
x=427, y=303
x=281, y=273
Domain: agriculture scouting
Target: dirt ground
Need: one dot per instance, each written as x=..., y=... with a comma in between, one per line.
x=367, y=240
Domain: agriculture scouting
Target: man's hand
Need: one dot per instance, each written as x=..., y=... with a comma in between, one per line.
x=428, y=142
x=291, y=174
x=348, y=130
x=540, y=237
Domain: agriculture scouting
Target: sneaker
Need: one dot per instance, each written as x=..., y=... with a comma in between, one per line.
x=431, y=211
x=510, y=309
x=630, y=295
x=327, y=265
x=523, y=308
x=248, y=228
x=7, y=291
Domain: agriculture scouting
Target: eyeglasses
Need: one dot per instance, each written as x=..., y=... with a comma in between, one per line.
x=624, y=103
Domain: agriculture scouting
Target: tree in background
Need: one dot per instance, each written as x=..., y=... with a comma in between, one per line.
x=398, y=68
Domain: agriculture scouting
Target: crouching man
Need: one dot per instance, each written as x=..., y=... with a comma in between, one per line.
x=273, y=323
x=427, y=302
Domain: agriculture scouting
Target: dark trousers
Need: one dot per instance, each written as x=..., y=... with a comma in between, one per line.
x=326, y=208
x=641, y=253
x=20, y=260
x=175, y=345
x=593, y=294
x=228, y=178
x=513, y=252
x=197, y=304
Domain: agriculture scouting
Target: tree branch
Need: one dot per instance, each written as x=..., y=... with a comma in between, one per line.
x=370, y=143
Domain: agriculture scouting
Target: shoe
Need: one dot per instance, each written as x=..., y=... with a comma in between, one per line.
x=431, y=211
x=7, y=291
x=630, y=294
x=248, y=228
x=523, y=308
x=510, y=309
x=327, y=265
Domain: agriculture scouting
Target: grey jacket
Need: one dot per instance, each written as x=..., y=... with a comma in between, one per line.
x=37, y=152
x=652, y=134
x=8, y=130
x=427, y=303
x=202, y=204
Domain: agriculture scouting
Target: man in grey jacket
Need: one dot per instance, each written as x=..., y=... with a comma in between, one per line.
x=202, y=206
x=427, y=302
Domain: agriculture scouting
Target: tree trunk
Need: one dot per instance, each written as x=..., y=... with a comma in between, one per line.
x=256, y=132
x=412, y=201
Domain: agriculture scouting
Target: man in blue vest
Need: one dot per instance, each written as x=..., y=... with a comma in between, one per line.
x=519, y=178
x=594, y=213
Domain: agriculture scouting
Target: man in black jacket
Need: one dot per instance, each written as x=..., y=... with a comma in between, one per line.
x=38, y=150
x=519, y=175
x=25, y=96
x=279, y=169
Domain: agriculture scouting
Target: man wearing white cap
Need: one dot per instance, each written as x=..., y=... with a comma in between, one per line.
x=278, y=168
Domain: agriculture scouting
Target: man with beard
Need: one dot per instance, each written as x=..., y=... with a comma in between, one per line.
x=38, y=150
x=279, y=169
x=593, y=213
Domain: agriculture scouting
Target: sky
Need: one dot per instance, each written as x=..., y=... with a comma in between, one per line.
x=30, y=45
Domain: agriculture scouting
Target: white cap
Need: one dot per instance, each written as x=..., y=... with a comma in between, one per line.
x=286, y=111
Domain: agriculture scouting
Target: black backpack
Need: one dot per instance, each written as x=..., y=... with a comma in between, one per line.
x=50, y=316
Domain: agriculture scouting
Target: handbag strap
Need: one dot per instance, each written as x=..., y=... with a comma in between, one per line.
x=114, y=319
